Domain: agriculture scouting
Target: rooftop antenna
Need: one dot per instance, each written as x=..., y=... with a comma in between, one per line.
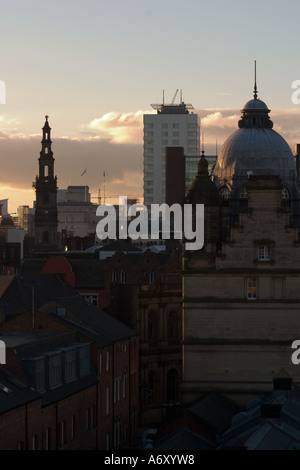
x=255, y=87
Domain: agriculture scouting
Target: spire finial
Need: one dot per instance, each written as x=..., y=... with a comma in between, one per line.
x=46, y=117
x=202, y=151
x=255, y=87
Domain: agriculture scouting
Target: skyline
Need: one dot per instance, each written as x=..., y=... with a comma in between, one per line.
x=96, y=67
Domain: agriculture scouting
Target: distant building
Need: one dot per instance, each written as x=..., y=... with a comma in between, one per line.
x=76, y=217
x=173, y=125
x=11, y=245
x=26, y=219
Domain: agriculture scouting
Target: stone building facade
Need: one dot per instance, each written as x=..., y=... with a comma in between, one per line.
x=241, y=291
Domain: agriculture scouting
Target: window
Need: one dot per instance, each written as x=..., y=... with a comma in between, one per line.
x=63, y=432
x=91, y=299
x=100, y=363
x=251, y=288
x=285, y=193
x=48, y=439
x=74, y=427
x=264, y=253
x=244, y=194
x=107, y=361
x=55, y=370
x=107, y=401
x=117, y=383
x=40, y=375
x=107, y=441
x=173, y=325
x=90, y=414
x=70, y=365
x=224, y=192
x=114, y=275
x=35, y=444
x=151, y=276
x=124, y=382
x=84, y=359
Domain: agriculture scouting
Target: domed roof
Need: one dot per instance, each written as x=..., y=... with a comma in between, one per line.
x=255, y=104
x=260, y=150
x=7, y=221
x=255, y=147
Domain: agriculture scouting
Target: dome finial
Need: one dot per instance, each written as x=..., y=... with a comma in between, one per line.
x=202, y=151
x=255, y=87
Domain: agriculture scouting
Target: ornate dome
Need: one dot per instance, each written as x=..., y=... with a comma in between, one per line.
x=254, y=147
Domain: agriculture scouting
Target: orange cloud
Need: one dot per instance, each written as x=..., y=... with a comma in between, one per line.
x=119, y=127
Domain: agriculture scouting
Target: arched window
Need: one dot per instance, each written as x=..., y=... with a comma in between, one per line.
x=285, y=193
x=224, y=192
x=123, y=276
x=285, y=198
x=114, y=276
x=46, y=171
x=172, y=325
x=151, y=276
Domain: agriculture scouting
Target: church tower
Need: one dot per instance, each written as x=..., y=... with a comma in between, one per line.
x=46, y=190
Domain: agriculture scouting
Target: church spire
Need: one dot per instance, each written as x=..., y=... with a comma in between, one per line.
x=46, y=191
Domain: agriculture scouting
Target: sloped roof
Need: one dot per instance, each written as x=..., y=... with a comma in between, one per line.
x=89, y=273
x=215, y=409
x=183, y=439
x=14, y=392
x=4, y=283
x=46, y=288
x=269, y=423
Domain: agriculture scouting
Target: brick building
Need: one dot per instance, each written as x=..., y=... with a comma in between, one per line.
x=53, y=323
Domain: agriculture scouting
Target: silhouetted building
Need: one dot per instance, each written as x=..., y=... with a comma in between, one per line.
x=46, y=190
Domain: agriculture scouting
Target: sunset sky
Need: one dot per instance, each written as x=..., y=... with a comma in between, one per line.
x=95, y=67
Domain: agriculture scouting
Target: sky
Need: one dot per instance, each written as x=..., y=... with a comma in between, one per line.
x=96, y=66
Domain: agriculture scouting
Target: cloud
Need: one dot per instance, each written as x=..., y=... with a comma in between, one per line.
x=118, y=127
x=112, y=143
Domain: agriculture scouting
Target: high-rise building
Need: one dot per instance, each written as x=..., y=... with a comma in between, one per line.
x=172, y=126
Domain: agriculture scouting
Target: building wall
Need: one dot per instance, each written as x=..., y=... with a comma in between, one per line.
x=238, y=335
x=162, y=130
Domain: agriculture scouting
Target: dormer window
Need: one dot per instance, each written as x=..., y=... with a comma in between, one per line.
x=264, y=253
x=224, y=192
